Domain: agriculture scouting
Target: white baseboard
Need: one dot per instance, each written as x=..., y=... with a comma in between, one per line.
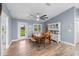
x=13, y=41
x=17, y=40
x=60, y=41
x=10, y=43
x=68, y=43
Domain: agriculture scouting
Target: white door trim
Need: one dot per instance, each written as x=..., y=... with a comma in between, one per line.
x=37, y=24
x=6, y=24
x=74, y=26
x=7, y=30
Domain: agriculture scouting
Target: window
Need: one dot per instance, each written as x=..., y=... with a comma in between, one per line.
x=37, y=28
x=22, y=31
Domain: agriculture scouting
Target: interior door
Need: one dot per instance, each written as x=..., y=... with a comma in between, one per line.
x=22, y=30
x=77, y=31
x=4, y=32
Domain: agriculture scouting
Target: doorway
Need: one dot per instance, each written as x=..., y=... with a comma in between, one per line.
x=77, y=31
x=4, y=32
x=22, y=30
x=0, y=25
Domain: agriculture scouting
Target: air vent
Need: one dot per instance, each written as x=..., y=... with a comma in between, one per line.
x=48, y=4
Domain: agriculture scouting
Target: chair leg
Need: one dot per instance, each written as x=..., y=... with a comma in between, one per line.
x=44, y=43
x=39, y=43
x=33, y=44
x=49, y=41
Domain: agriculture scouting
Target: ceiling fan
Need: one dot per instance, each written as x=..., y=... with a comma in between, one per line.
x=38, y=17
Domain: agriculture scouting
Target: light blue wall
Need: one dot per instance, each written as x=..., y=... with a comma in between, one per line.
x=67, y=22
x=6, y=10
x=66, y=18
x=13, y=26
x=30, y=27
x=77, y=12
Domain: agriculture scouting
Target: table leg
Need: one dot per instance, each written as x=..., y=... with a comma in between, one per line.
x=39, y=42
x=44, y=43
x=49, y=41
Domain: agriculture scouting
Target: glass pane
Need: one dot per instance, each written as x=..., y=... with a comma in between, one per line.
x=22, y=31
x=37, y=28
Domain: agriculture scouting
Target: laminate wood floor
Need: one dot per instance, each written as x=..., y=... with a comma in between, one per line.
x=26, y=48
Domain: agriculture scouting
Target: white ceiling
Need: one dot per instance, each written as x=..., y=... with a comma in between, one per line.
x=24, y=10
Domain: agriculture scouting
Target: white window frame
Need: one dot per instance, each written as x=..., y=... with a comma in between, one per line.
x=40, y=30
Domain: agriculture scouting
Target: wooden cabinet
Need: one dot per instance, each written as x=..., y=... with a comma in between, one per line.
x=55, y=29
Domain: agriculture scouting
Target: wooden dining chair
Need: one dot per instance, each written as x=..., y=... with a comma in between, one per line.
x=33, y=40
x=47, y=37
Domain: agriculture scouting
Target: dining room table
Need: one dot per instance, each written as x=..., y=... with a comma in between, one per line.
x=41, y=37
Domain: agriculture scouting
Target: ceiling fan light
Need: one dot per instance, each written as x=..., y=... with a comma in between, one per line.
x=37, y=19
x=37, y=16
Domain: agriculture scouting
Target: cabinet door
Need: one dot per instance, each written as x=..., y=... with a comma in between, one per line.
x=55, y=37
x=54, y=28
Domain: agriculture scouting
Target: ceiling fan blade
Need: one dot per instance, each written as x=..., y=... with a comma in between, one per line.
x=32, y=16
x=44, y=18
x=43, y=15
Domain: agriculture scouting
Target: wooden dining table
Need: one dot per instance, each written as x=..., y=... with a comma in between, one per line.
x=41, y=38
